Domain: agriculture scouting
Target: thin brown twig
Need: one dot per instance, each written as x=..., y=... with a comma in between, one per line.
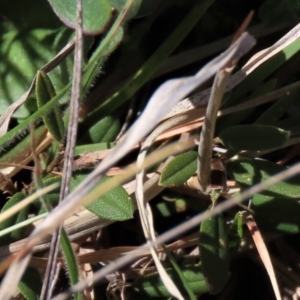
x=69, y=153
x=214, y=103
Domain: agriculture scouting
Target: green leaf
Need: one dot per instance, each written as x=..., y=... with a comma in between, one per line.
x=152, y=285
x=114, y=205
x=249, y=172
x=71, y=262
x=29, y=41
x=44, y=92
x=180, y=274
x=114, y=42
x=68, y=252
x=253, y=137
x=93, y=147
x=238, y=117
x=179, y=170
x=12, y=154
x=108, y=45
x=214, y=253
x=52, y=197
x=276, y=215
x=96, y=13
x=31, y=284
x=104, y=131
x=19, y=217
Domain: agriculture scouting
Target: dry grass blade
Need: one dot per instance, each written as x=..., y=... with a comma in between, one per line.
x=208, y=128
x=145, y=209
x=263, y=253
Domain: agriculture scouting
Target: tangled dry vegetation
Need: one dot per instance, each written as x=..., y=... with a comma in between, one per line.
x=147, y=151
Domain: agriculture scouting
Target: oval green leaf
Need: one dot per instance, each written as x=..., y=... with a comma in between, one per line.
x=104, y=131
x=96, y=14
x=253, y=137
x=45, y=92
x=15, y=219
x=249, y=172
x=114, y=205
x=153, y=286
x=179, y=170
x=213, y=244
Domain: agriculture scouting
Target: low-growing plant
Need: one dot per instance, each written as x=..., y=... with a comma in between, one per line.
x=84, y=86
